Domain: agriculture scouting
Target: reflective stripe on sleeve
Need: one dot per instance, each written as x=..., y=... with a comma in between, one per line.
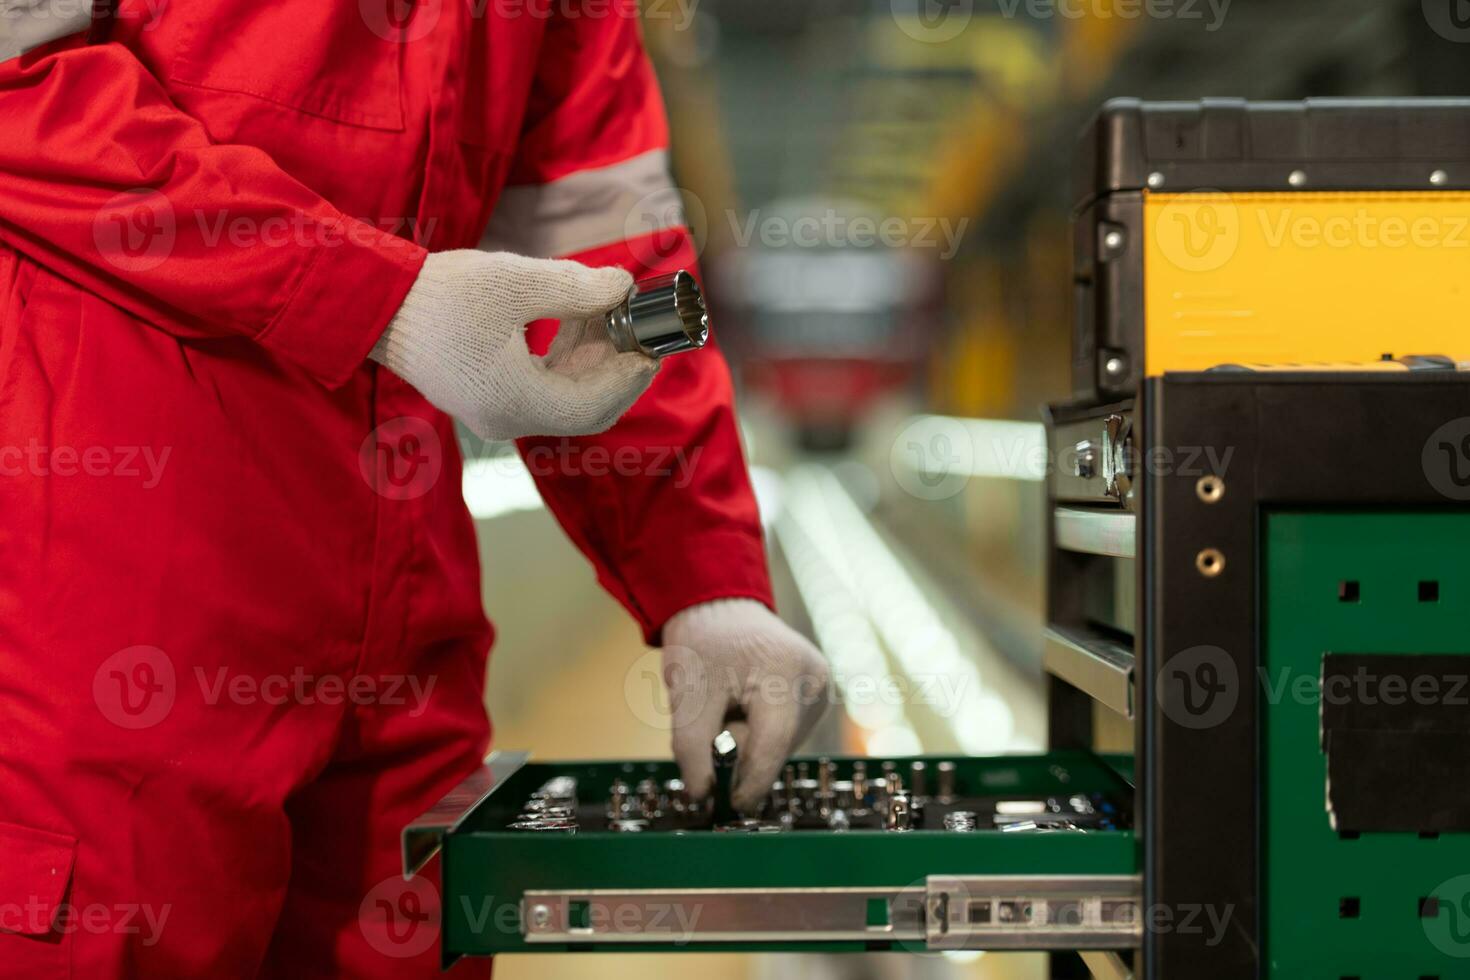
x=586, y=209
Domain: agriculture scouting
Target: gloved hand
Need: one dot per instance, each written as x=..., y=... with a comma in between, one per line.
x=733, y=664
x=459, y=338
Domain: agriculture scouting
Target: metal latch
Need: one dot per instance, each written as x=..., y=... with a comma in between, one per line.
x=1117, y=456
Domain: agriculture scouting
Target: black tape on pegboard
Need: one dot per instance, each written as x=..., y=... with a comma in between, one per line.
x=1396, y=732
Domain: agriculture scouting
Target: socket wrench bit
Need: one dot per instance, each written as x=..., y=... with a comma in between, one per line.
x=859, y=787
x=540, y=809
x=825, y=796
x=900, y=813
x=663, y=315
x=749, y=825
x=677, y=795
x=561, y=789
x=631, y=826
x=917, y=772
x=946, y=782
x=724, y=754
x=617, y=800
x=648, y=799
x=552, y=826
x=961, y=821
x=844, y=798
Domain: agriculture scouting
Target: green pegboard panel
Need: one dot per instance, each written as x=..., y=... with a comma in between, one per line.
x=1348, y=582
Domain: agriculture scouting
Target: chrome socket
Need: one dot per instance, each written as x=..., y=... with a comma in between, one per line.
x=946, y=782
x=724, y=754
x=900, y=816
x=648, y=800
x=544, y=826
x=961, y=821
x=917, y=781
x=663, y=315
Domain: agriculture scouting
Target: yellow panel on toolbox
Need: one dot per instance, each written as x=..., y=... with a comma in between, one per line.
x=1302, y=277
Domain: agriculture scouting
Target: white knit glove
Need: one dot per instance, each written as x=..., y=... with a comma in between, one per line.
x=733, y=664
x=459, y=338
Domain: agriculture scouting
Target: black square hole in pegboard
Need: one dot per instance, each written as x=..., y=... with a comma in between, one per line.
x=1429, y=907
x=1429, y=591
x=1348, y=591
x=1348, y=908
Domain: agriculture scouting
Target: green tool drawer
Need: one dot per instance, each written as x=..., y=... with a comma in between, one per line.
x=1042, y=856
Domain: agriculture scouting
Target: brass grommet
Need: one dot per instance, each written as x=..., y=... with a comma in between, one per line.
x=1209, y=489
x=1210, y=562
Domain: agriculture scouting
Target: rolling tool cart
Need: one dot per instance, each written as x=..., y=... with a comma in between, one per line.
x=1257, y=511
x=1259, y=500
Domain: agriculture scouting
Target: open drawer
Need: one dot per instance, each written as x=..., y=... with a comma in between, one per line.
x=1051, y=864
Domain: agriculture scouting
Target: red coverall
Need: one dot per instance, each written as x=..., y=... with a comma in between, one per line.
x=241, y=635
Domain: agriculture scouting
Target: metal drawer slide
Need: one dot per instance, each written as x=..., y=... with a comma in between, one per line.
x=948, y=912
x=1033, y=912
x=1100, y=666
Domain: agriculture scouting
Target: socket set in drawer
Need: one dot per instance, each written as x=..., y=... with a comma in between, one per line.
x=815, y=796
x=843, y=854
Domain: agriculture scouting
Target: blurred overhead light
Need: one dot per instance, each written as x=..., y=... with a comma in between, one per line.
x=862, y=600
x=498, y=485
x=895, y=740
x=995, y=448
